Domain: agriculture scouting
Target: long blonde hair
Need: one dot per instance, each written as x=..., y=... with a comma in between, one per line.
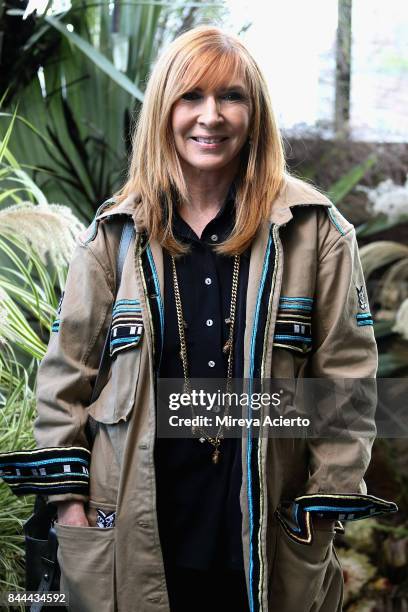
x=155, y=175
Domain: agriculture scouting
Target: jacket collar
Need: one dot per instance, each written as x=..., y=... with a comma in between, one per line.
x=295, y=192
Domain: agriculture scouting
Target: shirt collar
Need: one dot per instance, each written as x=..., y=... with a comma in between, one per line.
x=221, y=225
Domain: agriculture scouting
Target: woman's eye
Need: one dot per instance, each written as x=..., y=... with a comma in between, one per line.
x=190, y=95
x=229, y=96
x=232, y=96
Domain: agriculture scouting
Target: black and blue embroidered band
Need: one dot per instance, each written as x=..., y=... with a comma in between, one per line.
x=293, y=329
x=46, y=471
x=336, y=506
x=364, y=319
x=127, y=325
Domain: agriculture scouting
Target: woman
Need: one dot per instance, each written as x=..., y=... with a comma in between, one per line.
x=236, y=270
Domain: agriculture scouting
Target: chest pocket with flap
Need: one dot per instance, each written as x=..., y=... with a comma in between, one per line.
x=293, y=329
x=117, y=398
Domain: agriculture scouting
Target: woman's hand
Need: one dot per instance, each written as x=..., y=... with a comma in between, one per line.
x=72, y=513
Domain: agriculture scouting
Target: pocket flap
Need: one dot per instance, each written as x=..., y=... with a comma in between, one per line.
x=293, y=328
x=127, y=325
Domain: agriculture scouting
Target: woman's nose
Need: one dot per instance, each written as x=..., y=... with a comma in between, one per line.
x=210, y=112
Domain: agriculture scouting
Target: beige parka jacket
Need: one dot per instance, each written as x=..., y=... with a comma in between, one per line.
x=308, y=253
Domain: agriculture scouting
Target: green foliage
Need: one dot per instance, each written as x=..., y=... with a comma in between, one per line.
x=17, y=408
x=343, y=186
x=82, y=89
x=30, y=278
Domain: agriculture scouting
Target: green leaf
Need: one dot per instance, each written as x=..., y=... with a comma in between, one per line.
x=343, y=186
x=97, y=58
x=379, y=223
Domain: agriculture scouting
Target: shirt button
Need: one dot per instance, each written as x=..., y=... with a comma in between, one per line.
x=208, y=281
x=211, y=364
x=214, y=237
x=209, y=322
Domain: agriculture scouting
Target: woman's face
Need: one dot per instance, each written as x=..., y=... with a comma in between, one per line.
x=210, y=126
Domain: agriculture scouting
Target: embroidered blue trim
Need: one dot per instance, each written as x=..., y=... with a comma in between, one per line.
x=249, y=445
x=295, y=299
x=292, y=306
x=336, y=508
x=364, y=319
x=93, y=228
x=43, y=462
x=335, y=222
x=295, y=516
x=157, y=288
x=126, y=309
x=288, y=337
x=133, y=339
x=119, y=302
x=127, y=325
x=25, y=476
x=58, y=474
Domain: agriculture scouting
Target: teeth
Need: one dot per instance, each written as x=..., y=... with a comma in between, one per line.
x=209, y=140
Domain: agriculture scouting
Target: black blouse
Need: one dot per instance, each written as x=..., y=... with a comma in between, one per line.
x=198, y=502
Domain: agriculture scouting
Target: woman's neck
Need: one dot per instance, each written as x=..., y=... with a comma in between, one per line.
x=207, y=191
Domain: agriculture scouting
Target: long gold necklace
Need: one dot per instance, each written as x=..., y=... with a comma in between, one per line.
x=227, y=349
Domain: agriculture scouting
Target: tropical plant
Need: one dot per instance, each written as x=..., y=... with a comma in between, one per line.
x=33, y=234
x=84, y=71
x=385, y=264
x=36, y=242
x=16, y=416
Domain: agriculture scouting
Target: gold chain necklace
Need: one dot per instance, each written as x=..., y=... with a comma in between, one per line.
x=227, y=349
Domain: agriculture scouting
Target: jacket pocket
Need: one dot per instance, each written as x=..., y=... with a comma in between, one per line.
x=86, y=558
x=127, y=326
x=305, y=576
x=117, y=397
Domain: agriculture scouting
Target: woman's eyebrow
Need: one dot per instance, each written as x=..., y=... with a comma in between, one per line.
x=223, y=88
x=234, y=87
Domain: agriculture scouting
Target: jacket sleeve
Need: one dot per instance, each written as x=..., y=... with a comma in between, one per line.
x=346, y=353
x=344, y=359
x=58, y=467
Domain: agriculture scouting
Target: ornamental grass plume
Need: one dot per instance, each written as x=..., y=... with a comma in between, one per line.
x=357, y=571
x=45, y=228
x=389, y=198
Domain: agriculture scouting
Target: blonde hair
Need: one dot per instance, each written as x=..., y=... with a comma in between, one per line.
x=155, y=175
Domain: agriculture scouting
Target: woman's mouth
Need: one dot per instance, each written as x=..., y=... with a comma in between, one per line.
x=209, y=142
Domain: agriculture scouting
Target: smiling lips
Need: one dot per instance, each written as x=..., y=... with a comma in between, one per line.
x=209, y=143
x=209, y=140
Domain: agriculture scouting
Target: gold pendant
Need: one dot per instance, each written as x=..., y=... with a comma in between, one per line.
x=215, y=456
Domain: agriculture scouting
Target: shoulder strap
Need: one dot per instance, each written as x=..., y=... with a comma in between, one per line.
x=127, y=234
